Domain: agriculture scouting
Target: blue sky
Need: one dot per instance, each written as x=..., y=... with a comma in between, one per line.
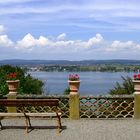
x=69, y=29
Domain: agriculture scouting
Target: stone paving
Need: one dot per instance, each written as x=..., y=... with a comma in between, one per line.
x=83, y=129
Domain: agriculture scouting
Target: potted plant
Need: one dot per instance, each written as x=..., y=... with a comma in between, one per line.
x=12, y=82
x=74, y=82
x=136, y=82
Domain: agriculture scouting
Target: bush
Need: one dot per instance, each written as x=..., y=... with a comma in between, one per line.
x=67, y=91
x=127, y=87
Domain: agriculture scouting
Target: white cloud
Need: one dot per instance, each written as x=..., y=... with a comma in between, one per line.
x=61, y=36
x=27, y=42
x=59, y=44
x=137, y=47
x=30, y=43
x=44, y=46
x=42, y=41
x=121, y=46
x=5, y=41
x=95, y=40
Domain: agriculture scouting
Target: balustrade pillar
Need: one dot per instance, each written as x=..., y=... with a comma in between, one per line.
x=11, y=109
x=136, y=99
x=137, y=105
x=12, y=86
x=74, y=106
x=74, y=103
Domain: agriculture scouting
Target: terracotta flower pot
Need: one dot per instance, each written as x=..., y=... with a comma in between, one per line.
x=136, y=85
x=74, y=86
x=12, y=85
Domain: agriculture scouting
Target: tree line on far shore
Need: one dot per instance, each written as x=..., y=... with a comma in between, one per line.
x=82, y=68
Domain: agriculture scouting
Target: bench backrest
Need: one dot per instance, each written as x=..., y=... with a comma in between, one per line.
x=29, y=102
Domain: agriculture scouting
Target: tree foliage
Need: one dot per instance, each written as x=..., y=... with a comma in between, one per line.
x=127, y=87
x=67, y=91
x=28, y=84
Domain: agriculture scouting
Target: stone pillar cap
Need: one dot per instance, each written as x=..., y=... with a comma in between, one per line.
x=136, y=92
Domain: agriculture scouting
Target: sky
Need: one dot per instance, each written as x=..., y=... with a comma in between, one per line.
x=69, y=29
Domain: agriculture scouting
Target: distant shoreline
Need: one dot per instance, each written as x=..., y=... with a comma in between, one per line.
x=68, y=62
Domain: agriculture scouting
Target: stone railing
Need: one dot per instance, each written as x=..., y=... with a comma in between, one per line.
x=63, y=105
x=106, y=107
x=90, y=106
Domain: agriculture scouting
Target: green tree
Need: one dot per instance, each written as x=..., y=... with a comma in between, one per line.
x=28, y=84
x=31, y=85
x=67, y=91
x=127, y=87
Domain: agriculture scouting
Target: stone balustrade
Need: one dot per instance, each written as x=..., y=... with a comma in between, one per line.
x=89, y=106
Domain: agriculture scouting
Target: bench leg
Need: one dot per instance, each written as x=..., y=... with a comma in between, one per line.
x=1, y=125
x=26, y=124
x=59, y=123
x=29, y=123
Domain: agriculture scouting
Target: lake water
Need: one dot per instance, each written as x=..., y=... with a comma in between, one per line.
x=92, y=83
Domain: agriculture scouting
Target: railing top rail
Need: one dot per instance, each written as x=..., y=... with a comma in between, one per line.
x=108, y=97
x=27, y=96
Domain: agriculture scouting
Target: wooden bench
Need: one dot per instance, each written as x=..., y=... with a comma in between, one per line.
x=31, y=102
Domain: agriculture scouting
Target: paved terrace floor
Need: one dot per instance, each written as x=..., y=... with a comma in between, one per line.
x=83, y=129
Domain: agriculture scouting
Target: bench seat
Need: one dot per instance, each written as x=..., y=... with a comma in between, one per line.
x=53, y=114
x=31, y=102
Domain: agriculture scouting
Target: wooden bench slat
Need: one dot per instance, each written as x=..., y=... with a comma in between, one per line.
x=29, y=102
x=12, y=115
x=42, y=114
x=53, y=114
